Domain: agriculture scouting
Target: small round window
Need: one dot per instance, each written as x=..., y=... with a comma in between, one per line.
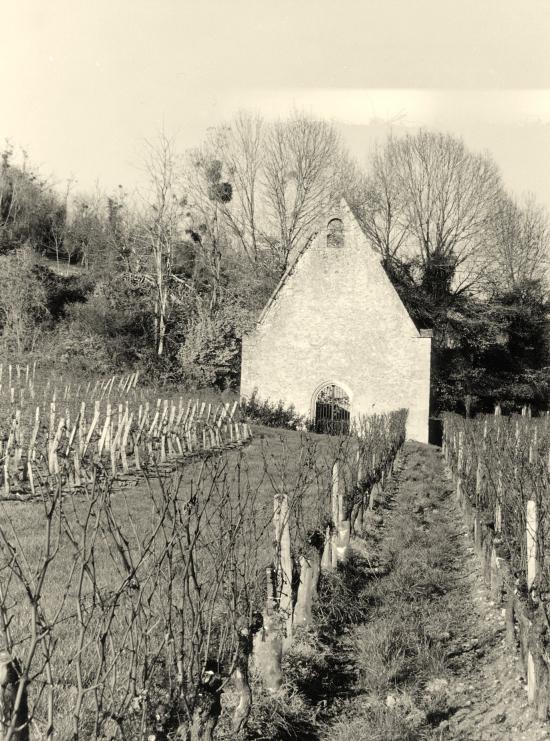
x=335, y=233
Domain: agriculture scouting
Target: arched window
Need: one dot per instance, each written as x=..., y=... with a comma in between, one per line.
x=335, y=233
x=332, y=410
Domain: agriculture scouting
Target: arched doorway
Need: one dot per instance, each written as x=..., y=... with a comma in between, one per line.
x=332, y=410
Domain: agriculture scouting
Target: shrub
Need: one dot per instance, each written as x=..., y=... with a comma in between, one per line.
x=270, y=414
x=73, y=347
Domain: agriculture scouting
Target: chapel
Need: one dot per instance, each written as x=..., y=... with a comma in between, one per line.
x=335, y=339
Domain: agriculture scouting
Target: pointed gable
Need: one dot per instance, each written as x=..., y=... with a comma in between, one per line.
x=339, y=237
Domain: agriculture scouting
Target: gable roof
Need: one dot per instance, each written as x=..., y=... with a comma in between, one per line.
x=285, y=276
x=347, y=214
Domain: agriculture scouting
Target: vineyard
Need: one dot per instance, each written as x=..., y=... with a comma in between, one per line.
x=130, y=611
x=501, y=470
x=50, y=431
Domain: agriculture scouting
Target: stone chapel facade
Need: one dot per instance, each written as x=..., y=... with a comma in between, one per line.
x=336, y=322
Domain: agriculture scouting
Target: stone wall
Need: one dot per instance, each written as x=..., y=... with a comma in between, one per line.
x=336, y=318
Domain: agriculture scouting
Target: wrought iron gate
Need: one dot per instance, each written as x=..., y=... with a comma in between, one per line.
x=332, y=410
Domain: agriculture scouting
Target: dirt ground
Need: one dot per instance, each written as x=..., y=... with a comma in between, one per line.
x=467, y=684
x=487, y=689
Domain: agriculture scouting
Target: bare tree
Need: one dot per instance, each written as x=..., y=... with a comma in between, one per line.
x=208, y=196
x=279, y=177
x=29, y=206
x=380, y=206
x=162, y=228
x=22, y=301
x=87, y=228
x=62, y=245
x=520, y=243
x=449, y=196
x=299, y=179
x=240, y=147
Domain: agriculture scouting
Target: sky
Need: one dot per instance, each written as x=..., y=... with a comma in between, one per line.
x=85, y=83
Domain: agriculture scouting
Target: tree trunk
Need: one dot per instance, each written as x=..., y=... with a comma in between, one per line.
x=268, y=642
x=240, y=679
x=9, y=687
x=161, y=335
x=268, y=652
x=161, y=328
x=160, y=303
x=303, y=608
x=285, y=571
x=206, y=712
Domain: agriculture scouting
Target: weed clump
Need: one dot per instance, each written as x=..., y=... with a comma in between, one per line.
x=341, y=601
x=395, y=718
x=285, y=715
x=271, y=414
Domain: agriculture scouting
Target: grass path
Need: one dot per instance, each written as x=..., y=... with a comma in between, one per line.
x=430, y=660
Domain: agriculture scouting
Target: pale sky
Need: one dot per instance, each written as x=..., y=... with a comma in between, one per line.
x=85, y=82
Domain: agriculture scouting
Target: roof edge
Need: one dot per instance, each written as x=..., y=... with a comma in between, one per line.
x=285, y=276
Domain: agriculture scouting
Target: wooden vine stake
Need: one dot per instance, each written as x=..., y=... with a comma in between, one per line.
x=359, y=488
x=335, y=507
x=459, y=465
x=341, y=523
x=304, y=600
x=284, y=564
x=480, y=459
x=532, y=567
x=241, y=680
x=326, y=559
x=372, y=495
x=498, y=506
x=31, y=452
x=531, y=532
